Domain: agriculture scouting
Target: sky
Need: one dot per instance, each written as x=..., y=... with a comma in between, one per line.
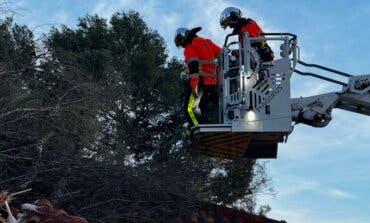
x=321, y=175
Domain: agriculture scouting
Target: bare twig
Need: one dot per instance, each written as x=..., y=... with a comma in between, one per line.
x=19, y=192
x=10, y=217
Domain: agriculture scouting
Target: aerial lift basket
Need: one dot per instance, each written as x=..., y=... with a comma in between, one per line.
x=254, y=100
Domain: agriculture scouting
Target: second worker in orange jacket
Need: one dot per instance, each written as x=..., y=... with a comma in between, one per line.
x=199, y=54
x=232, y=17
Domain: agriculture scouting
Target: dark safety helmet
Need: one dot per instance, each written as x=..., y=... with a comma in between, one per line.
x=229, y=17
x=183, y=34
x=180, y=36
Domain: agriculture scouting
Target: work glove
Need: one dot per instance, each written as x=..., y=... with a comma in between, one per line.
x=194, y=91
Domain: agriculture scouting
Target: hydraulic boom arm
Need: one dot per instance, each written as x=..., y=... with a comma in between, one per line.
x=316, y=110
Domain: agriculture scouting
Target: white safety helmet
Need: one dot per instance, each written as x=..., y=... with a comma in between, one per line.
x=229, y=17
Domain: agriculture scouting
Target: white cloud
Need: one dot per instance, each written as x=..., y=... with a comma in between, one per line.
x=107, y=8
x=306, y=143
x=295, y=215
x=294, y=186
x=62, y=17
x=310, y=88
x=306, y=215
x=340, y=194
x=209, y=19
x=290, y=203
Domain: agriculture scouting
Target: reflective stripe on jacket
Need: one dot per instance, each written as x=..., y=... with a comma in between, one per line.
x=204, y=51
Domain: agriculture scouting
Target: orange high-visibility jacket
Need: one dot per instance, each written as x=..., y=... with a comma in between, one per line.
x=204, y=51
x=253, y=29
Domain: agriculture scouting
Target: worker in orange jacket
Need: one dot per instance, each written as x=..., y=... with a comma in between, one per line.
x=232, y=17
x=200, y=54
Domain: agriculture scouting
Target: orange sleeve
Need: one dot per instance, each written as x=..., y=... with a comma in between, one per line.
x=189, y=54
x=216, y=49
x=253, y=29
